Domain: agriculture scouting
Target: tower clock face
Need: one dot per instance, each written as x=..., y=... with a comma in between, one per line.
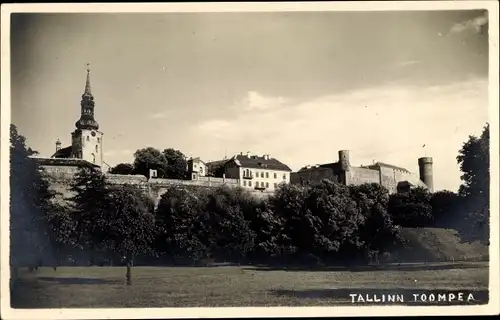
x=93, y=133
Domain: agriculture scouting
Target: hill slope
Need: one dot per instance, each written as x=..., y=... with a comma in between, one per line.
x=437, y=244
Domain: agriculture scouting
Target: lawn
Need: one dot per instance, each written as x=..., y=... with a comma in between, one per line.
x=103, y=287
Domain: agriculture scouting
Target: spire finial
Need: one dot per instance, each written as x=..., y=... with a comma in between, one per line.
x=87, y=84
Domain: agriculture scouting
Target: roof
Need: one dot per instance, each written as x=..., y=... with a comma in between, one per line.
x=381, y=164
x=333, y=165
x=63, y=162
x=63, y=153
x=217, y=162
x=197, y=159
x=257, y=162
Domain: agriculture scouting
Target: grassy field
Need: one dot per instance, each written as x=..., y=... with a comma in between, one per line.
x=103, y=287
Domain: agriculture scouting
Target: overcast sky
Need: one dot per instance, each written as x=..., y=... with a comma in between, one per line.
x=298, y=86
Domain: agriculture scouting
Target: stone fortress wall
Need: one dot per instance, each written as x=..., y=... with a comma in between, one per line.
x=60, y=178
x=391, y=177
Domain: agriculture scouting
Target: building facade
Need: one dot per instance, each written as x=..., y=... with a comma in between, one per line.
x=394, y=178
x=261, y=173
x=196, y=168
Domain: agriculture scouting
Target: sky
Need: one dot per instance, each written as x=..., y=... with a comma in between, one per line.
x=296, y=85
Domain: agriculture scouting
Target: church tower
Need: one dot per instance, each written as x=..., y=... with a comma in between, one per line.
x=86, y=140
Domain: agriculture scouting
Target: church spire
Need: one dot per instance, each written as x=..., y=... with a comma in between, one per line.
x=88, y=91
x=87, y=120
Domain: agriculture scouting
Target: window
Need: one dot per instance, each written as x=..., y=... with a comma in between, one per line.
x=249, y=183
x=275, y=186
x=275, y=175
x=244, y=183
x=96, y=148
x=267, y=174
x=257, y=184
x=201, y=169
x=88, y=138
x=267, y=184
x=284, y=176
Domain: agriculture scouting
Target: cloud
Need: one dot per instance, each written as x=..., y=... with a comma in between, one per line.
x=474, y=24
x=407, y=63
x=256, y=101
x=158, y=115
x=387, y=123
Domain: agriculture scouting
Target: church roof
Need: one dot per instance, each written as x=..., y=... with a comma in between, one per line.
x=63, y=153
x=72, y=162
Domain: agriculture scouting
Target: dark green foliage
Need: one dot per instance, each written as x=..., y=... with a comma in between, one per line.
x=317, y=220
x=117, y=220
x=377, y=233
x=150, y=158
x=128, y=225
x=169, y=164
x=226, y=232
x=474, y=161
x=411, y=209
x=90, y=205
x=30, y=203
x=217, y=170
x=176, y=165
x=446, y=208
x=123, y=168
x=197, y=223
x=177, y=216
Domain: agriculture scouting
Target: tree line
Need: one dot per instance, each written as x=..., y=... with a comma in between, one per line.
x=322, y=223
x=169, y=163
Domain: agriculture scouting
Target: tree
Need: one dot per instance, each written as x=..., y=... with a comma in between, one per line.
x=30, y=202
x=123, y=168
x=411, y=209
x=90, y=205
x=335, y=218
x=176, y=165
x=377, y=232
x=318, y=219
x=445, y=208
x=268, y=229
x=225, y=230
x=150, y=158
x=127, y=226
x=474, y=161
x=177, y=218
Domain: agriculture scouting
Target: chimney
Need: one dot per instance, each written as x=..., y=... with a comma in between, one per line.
x=266, y=157
x=58, y=145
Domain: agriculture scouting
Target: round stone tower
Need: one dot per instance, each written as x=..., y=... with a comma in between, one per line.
x=425, y=168
x=344, y=160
